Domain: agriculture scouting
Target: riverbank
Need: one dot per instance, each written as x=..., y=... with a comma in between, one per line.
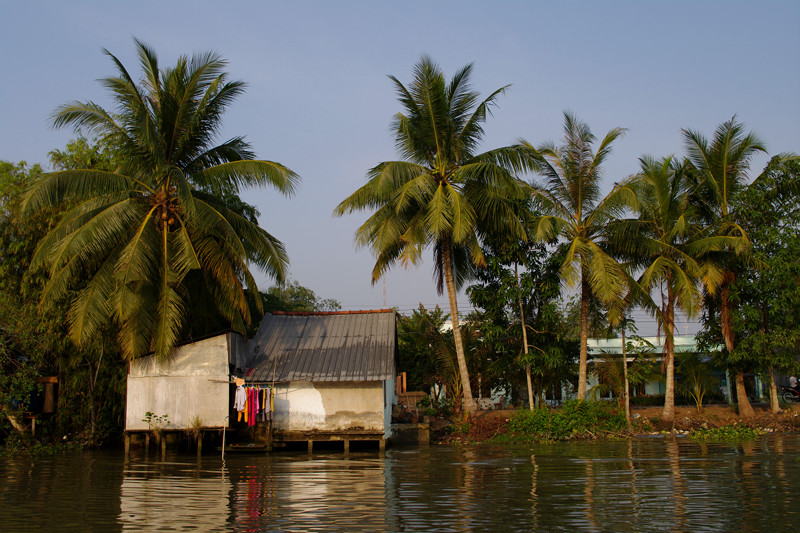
x=507, y=425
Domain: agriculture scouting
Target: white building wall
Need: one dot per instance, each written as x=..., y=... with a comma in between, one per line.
x=330, y=406
x=193, y=384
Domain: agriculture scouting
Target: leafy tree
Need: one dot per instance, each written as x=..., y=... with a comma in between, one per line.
x=720, y=166
x=443, y=194
x=138, y=233
x=768, y=320
x=520, y=322
x=82, y=152
x=416, y=334
x=18, y=334
x=33, y=340
x=201, y=319
x=574, y=210
x=294, y=297
x=427, y=351
x=598, y=324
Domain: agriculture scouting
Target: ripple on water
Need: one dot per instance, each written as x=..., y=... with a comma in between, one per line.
x=649, y=485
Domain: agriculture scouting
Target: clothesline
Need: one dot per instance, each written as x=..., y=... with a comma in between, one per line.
x=253, y=403
x=250, y=382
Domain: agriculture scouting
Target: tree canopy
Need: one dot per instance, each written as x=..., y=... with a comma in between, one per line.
x=444, y=194
x=142, y=233
x=573, y=209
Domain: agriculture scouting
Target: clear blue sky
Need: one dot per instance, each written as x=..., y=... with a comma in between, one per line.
x=319, y=101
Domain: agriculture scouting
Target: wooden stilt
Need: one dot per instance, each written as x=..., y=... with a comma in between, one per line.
x=200, y=444
x=267, y=439
x=310, y=446
x=127, y=444
x=346, y=445
x=163, y=445
x=382, y=445
x=270, y=436
x=147, y=443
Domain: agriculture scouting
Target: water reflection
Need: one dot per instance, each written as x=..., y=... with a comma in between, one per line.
x=643, y=485
x=160, y=495
x=677, y=484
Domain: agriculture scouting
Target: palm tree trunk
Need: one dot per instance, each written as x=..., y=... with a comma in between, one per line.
x=745, y=409
x=524, y=339
x=469, y=404
x=584, y=336
x=668, y=415
x=625, y=377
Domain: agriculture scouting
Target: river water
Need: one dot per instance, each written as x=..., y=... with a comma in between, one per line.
x=648, y=484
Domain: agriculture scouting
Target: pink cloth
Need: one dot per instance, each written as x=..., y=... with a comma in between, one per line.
x=252, y=404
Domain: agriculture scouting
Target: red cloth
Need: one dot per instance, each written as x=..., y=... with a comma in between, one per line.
x=252, y=405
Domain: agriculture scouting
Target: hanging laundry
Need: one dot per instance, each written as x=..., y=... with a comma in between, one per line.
x=262, y=403
x=249, y=409
x=240, y=399
x=268, y=404
x=253, y=397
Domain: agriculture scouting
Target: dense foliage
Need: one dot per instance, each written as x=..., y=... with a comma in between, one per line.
x=293, y=297
x=575, y=211
x=417, y=335
x=575, y=419
x=768, y=321
x=157, y=232
x=34, y=341
x=139, y=238
x=520, y=288
x=444, y=194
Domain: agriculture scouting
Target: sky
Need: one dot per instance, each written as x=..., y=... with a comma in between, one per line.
x=319, y=101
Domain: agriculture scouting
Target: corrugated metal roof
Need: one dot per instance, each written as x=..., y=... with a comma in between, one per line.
x=339, y=346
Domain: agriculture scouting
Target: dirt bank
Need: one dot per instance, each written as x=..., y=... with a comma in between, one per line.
x=485, y=425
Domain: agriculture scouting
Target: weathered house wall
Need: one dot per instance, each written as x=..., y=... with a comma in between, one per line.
x=335, y=371
x=194, y=384
x=329, y=406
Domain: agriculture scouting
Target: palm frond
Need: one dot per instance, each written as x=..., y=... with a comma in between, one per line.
x=247, y=174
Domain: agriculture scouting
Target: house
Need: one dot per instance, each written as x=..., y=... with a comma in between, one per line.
x=597, y=348
x=333, y=374
x=191, y=389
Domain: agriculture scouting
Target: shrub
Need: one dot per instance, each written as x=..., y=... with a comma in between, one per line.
x=442, y=407
x=726, y=433
x=574, y=420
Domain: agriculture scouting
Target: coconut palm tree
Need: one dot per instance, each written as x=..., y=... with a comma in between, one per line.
x=721, y=166
x=443, y=193
x=137, y=234
x=574, y=210
x=663, y=243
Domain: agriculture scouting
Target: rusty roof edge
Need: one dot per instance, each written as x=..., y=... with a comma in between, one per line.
x=328, y=313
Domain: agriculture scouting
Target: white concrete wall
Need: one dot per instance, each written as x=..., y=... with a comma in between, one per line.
x=193, y=384
x=181, y=398
x=329, y=406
